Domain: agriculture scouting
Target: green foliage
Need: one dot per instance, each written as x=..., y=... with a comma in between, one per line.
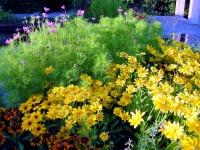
x=3, y=14
x=106, y=8
x=76, y=47
x=81, y=4
x=155, y=7
x=22, y=6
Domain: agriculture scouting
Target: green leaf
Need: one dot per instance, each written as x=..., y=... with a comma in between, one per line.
x=9, y=137
x=116, y=130
x=21, y=146
x=27, y=138
x=51, y=126
x=128, y=128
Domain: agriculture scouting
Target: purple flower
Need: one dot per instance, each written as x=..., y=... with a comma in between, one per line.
x=63, y=20
x=80, y=12
x=26, y=29
x=16, y=36
x=8, y=41
x=17, y=29
x=133, y=37
x=62, y=15
x=46, y=9
x=63, y=6
x=119, y=10
x=50, y=24
x=45, y=15
x=125, y=13
x=134, y=41
x=53, y=30
x=93, y=19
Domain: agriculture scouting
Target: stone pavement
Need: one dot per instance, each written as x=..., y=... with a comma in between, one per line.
x=179, y=29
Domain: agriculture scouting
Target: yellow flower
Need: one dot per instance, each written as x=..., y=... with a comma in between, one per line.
x=104, y=136
x=123, y=55
x=162, y=102
x=125, y=99
x=120, y=82
x=194, y=124
x=99, y=116
x=132, y=59
x=130, y=89
x=125, y=116
x=25, y=107
x=140, y=82
x=91, y=120
x=142, y=72
x=173, y=131
x=38, y=130
x=117, y=111
x=37, y=116
x=29, y=124
x=190, y=143
x=136, y=118
x=49, y=70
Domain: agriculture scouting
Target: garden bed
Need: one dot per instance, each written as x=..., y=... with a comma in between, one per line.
x=114, y=84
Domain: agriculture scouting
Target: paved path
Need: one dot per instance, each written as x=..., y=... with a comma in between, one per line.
x=180, y=29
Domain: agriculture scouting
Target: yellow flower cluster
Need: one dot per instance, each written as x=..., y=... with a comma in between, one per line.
x=172, y=86
x=179, y=95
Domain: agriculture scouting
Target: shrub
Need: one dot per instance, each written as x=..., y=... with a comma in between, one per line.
x=71, y=48
x=106, y=8
x=141, y=106
x=154, y=7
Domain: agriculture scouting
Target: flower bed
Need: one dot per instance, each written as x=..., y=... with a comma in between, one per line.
x=112, y=85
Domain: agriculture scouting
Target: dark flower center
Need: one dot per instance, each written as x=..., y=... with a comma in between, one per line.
x=36, y=140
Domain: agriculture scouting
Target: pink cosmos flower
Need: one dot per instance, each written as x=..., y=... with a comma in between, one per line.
x=62, y=15
x=26, y=29
x=46, y=9
x=119, y=10
x=80, y=12
x=45, y=15
x=53, y=30
x=63, y=6
x=16, y=36
x=50, y=24
x=8, y=41
x=63, y=20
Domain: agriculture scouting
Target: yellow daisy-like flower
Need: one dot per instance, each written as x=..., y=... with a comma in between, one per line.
x=125, y=116
x=136, y=118
x=25, y=107
x=190, y=143
x=91, y=120
x=104, y=136
x=117, y=111
x=162, y=102
x=37, y=116
x=123, y=55
x=99, y=116
x=120, y=82
x=125, y=99
x=173, y=131
x=194, y=124
x=132, y=59
x=38, y=130
x=29, y=124
x=48, y=70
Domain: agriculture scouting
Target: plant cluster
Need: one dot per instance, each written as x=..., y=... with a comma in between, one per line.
x=72, y=47
x=125, y=89
x=154, y=7
x=152, y=106
x=22, y=6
